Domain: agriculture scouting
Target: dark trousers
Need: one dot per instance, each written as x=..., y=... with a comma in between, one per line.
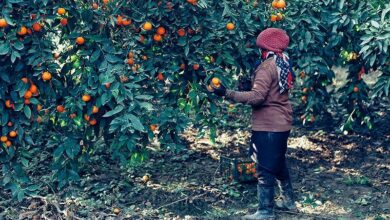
x=268, y=150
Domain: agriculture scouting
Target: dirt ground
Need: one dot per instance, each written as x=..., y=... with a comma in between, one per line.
x=335, y=176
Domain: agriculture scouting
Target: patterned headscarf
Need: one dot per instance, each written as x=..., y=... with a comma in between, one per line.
x=285, y=73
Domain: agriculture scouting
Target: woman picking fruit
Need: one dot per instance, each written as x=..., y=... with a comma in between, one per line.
x=271, y=120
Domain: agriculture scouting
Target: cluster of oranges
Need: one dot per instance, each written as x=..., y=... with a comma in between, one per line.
x=216, y=82
x=121, y=21
x=278, y=5
x=23, y=30
x=7, y=140
x=32, y=91
x=246, y=168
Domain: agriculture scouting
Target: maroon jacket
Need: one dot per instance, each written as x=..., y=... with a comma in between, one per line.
x=271, y=111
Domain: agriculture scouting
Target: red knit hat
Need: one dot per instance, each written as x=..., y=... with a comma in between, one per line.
x=273, y=39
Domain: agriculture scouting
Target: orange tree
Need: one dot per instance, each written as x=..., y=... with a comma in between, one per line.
x=82, y=78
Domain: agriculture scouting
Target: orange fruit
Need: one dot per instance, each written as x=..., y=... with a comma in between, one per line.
x=95, y=6
x=4, y=138
x=86, y=98
x=9, y=124
x=144, y=57
x=279, y=16
x=8, y=143
x=80, y=40
x=33, y=16
x=147, y=26
x=61, y=11
x=105, y=2
x=8, y=103
x=305, y=90
x=72, y=116
x=274, y=18
x=13, y=134
x=355, y=89
x=95, y=109
x=22, y=31
x=126, y=22
x=274, y=4
x=64, y=21
x=25, y=80
x=37, y=27
x=281, y=4
x=86, y=117
x=116, y=211
x=230, y=26
x=28, y=94
x=153, y=127
x=157, y=37
x=160, y=76
x=141, y=38
x=216, y=82
x=195, y=66
x=92, y=122
x=3, y=23
x=304, y=98
x=27, y=101
x=193, y=2
x=181, y=32
x=119, y=20
x=39, y=107
x=130, y=61
x=107, y=85
x=161, y=30
x=46, y=76
x=130, y=55
x=60, y=108
x=33, y=88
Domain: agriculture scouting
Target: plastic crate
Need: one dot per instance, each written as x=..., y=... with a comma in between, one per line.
x=238, y=169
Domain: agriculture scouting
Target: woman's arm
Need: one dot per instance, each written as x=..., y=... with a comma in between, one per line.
x=260, y=90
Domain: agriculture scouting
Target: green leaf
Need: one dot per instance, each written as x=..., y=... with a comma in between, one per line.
x=116, y=110
x=95, y=56
x=4, y=48
x=18, y=45
x=27, y=111
x=136, y=123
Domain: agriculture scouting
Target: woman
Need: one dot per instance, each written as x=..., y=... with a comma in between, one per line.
x=271, y=121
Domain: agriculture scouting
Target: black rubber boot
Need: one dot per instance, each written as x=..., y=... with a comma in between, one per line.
x=266, y=204
x=287, y=201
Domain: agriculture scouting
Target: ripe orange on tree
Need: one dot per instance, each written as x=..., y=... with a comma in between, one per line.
x=9, y=124
x=105, y=2
x=153, y=127
x=27, y=101
x=126, y=22
x=157, y=37
x=274, y=4
x=3, y=23
x=46, y=76
x=4, y=138
x=216, y=82
x=61, y=11
x=95, y=6
x=22, y=31
x=230, y=26
x=80, y=40
x=72, y=116
x=33, y=89
x=181, y=32
x=107, y=85
x=355, y=89
x=119, y=20
x=279, y=16
x=130, y=54
x=147, y=26
x=60, y=108
x=39, y=107
x=160, y=76
x=8, y=143
x=193, y=2
x=13, y=134
x=195, y=66
x=281, y=4
x=37, y=27
x=24, y=79
x=93, y=121
x=86, y=98
x=161, y=30
x=95, y=109
x=86, y=117
x=305, y=90
x=130, y=61
x=8, y=103
x=27, y=94
x=274, y=18
x=304, y=98
x=64, y=21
